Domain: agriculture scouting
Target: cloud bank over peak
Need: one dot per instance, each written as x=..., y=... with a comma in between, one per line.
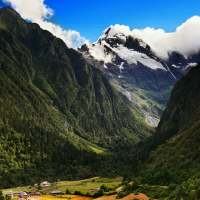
x=38, y=12
x=185, y=39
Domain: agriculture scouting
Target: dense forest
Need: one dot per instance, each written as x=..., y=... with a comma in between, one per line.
x=174, y=161
x=58, y=114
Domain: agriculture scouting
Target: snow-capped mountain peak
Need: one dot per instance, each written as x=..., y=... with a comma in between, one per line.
x=136, y=71
x=119, y=34
x=117, y=45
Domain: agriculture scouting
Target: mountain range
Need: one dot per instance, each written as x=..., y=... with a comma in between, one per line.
x=57, y=109
x=110, y=108
x=136, y=71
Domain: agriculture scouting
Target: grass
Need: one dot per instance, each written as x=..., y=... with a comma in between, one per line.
x=17, y=189
x=86, y=186
x=155, y=191
x=83, y=144
x=63, y=197
x=60, y=197
x=98, y=150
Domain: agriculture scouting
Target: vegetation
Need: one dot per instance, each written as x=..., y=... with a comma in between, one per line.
x=87, y=187
x=172, y=169
x=1, y=196
x=59, y=116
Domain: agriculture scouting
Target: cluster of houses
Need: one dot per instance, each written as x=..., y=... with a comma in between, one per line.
x=24, y=195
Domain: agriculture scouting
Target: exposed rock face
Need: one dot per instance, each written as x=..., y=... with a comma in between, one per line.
x=137, y=71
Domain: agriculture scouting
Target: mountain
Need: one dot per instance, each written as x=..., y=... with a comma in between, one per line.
x=136, y=71
x=176, y=162
x=59, y=115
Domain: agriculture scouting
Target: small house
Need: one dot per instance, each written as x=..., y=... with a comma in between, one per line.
x=45, y=184
x=10, y=194
x=35, y=194
x=56, y=192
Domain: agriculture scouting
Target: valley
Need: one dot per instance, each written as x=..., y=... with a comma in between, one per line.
x=94, y=188
x=112, y=119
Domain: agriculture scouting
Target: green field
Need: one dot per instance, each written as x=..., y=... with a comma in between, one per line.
x=86, y=186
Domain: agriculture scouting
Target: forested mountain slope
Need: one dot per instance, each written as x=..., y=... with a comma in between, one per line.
x=58, y=114
x=177, y=162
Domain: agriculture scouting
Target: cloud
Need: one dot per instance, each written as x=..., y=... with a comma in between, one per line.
x=117, y=28
x=38, y=12
x=70, y=37
x=185, y=40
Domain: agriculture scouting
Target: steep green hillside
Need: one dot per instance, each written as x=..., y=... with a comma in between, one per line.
x=183, y=108
x=176, y=162
x=59, y=116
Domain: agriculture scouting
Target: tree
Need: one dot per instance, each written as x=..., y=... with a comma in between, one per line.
x=99, y=193
x=104, y=188
x=7, y=197
x=1, y=196
x=67, y=191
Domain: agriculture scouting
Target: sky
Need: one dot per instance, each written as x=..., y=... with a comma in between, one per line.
x=91, y=17
x=83, y=21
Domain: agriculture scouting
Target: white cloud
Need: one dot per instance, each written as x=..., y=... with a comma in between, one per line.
x=186, y=38
x=117, y=28
x=38, y=12
x=70, y=37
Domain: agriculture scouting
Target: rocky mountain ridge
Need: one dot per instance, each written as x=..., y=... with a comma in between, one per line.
x=138, y=73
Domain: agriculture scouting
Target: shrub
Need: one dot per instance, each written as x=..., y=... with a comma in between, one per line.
x=105, y=188
x=67, y=191
x=1, y=196
x=172, y=186
x=88, y=194
x=7, y=197
x=98, y=193
x=121, y=194
x=78, y=193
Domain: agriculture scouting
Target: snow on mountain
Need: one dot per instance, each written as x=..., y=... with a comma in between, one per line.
x=97, y=51
x=190, y=65
x=133, y=57
x=120, y=31
x=130, y=56
x=120, y=42
x=136, y=71
x=113, y=44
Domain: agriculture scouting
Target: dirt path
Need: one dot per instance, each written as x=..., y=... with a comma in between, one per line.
x=128, y=197
x=63, y=197
x=139, y=196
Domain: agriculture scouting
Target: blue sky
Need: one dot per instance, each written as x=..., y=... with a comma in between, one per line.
x=91, y=17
